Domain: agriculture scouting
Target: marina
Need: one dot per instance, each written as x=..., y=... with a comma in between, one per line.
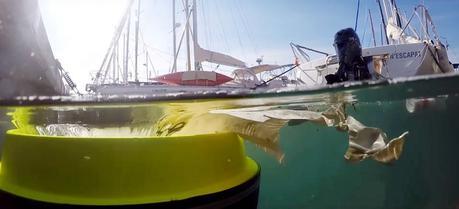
x=371, y=125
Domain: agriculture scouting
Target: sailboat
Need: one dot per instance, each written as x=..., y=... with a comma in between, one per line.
x=408, y=49
x=195, y=75
x=192, y=79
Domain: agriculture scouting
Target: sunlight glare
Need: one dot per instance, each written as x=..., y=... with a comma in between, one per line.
x=80, y=31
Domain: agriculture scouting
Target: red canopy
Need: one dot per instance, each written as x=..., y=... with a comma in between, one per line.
x=194, y=78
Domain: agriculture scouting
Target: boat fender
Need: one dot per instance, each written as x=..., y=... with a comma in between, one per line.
x=443, y=60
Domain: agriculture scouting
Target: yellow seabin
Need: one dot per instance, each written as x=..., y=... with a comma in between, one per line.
x=122, y=171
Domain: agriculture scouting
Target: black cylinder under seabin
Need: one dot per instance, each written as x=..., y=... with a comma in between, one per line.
x=244, y=196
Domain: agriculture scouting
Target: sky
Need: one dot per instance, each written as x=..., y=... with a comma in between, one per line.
x=80, y=31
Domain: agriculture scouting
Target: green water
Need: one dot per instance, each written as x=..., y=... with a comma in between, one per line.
x=314, y=173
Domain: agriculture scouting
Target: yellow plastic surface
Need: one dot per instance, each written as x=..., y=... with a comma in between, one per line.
x=120, y=171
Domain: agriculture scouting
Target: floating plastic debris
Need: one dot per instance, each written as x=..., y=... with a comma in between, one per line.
x=364, y=142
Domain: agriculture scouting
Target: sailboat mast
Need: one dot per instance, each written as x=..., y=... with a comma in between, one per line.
x=115, y=54
x=126, y=62
x=372, y=28
x=174, y=36
x=197, y=64
x=383, y=20
x=146, y=66
x=188, y=50
x=397, y=15
x=136, y=68
x=117, y=63
x=357, y=16
x=115, y=39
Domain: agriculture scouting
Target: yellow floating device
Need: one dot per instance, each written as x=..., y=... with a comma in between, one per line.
x=206, y=171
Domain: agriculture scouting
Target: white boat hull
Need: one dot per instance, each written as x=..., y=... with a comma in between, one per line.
x=392, y=61
x=154, y=89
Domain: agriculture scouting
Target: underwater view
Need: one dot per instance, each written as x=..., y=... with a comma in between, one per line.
x=197, y=104
x=309, y=158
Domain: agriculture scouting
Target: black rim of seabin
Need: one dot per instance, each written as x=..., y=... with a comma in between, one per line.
x=242, y=196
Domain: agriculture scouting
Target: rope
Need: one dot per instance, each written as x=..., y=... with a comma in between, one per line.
x=246, y=25
x=407, y=24
x=67, y=78
x=357, y=16
x=275, y=77
x=220, y=23
x=365, y=28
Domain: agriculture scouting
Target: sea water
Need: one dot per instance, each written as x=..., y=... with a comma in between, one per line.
x=315, y=175
x=313, y=172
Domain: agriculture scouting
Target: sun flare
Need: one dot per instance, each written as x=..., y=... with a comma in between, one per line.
x=80, y=30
